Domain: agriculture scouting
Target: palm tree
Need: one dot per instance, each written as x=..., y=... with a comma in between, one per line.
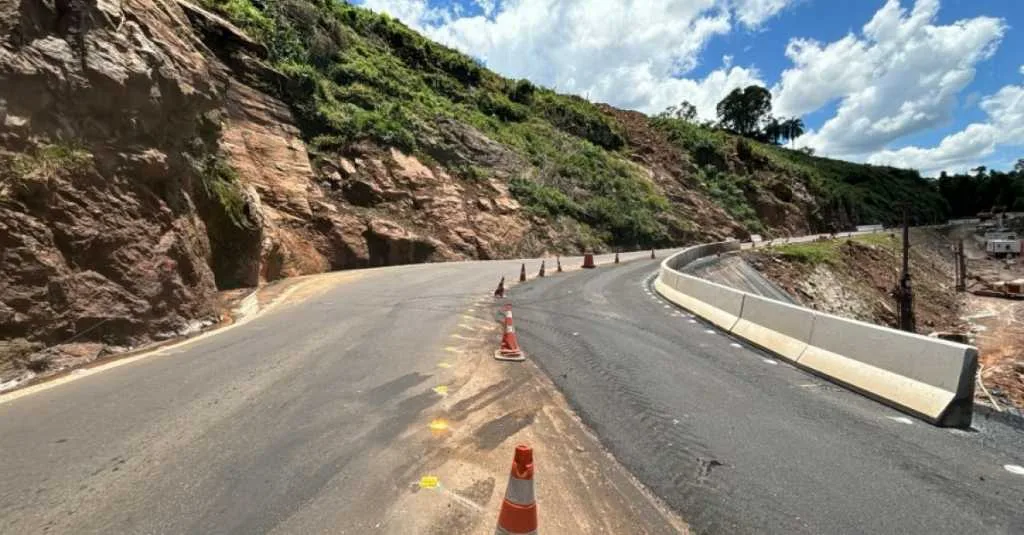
x=792, y=128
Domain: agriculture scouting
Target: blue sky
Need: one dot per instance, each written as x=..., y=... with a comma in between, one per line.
x=928, y=84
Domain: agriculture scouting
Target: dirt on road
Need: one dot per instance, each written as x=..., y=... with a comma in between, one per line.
x=488, y=409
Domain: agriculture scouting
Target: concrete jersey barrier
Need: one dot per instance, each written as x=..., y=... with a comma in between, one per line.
x=927, y=377
x=930, y=377
x=781, y=328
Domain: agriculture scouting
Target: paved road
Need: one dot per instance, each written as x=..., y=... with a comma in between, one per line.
x=740, y=443
x=312, y=418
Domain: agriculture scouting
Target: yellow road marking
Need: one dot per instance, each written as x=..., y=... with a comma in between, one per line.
x=429, y=482
x=442, y=390
x=470, y=338
x=444, y=365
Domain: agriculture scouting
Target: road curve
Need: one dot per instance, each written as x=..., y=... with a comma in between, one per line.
x=313, y=418
x=738, y=442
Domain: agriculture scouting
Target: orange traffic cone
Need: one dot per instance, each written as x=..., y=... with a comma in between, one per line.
x=509, y=349
x=541, y=273
x=558, y=260
x=616, y=257
x=588, y=261
x=499, y=292
x=518, y=514
x=522, y=273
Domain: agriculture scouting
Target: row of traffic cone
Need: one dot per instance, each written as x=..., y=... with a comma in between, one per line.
x=588, y=263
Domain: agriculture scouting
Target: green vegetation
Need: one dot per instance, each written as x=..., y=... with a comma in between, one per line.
x=220, y=182
x=820, y=252
x=46, y=160
x=828, y=251
x=984, y=190
x=353, y=75
x=865, y=194
x=350, y=75
x=24, y=175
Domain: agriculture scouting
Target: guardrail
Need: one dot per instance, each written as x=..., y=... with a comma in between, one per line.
x=927, y=377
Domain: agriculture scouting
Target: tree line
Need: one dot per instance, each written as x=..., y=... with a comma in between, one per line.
x=746, y=112
x=983, y=190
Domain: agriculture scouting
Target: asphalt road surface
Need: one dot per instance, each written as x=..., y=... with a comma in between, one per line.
x=311, y=419
x=738, y=442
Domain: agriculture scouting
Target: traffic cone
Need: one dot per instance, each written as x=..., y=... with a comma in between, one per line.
x=616, y=257
x=541, y=273
x=588, y=261
x=500, y=291
x=652, y=254
x=509, y=349
x=522, y=273
x=558, y=261
x=518, y=514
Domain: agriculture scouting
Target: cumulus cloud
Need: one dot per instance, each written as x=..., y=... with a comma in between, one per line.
x=900, y=76
x=752, y=13
x=959, y=151
x=631, y=53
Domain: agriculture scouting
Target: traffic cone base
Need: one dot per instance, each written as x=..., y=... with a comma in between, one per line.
x=516, y=357
x=588, y=261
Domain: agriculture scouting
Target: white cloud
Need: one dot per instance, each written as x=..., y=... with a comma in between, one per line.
x=962, y=150
x=752, y=13
x=631, y=53
x=901, y=76
x=1022, y=69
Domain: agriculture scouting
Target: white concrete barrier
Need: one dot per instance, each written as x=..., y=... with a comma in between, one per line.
x=781, y=328
x=928, y=377
x=718, y=304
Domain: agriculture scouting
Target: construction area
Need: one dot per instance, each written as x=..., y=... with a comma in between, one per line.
x=974, y=297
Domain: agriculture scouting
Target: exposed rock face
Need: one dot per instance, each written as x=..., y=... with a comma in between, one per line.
x=110, y=231
x=100, y=230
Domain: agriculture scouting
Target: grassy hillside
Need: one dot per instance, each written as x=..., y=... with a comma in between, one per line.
x=351, y=75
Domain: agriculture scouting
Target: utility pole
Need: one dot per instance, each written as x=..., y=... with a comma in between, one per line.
x=960, y=267
x=905, y=292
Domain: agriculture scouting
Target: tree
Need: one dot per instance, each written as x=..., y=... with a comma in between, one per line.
x=792, y=128
x=774, y=131
x=744, y=111
x=684, y=111
x=1019, y=167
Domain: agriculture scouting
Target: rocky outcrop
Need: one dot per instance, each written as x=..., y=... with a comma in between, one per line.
x=118, y=223
x=106, y=107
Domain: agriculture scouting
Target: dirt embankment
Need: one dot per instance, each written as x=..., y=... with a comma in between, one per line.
x=855, y=278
